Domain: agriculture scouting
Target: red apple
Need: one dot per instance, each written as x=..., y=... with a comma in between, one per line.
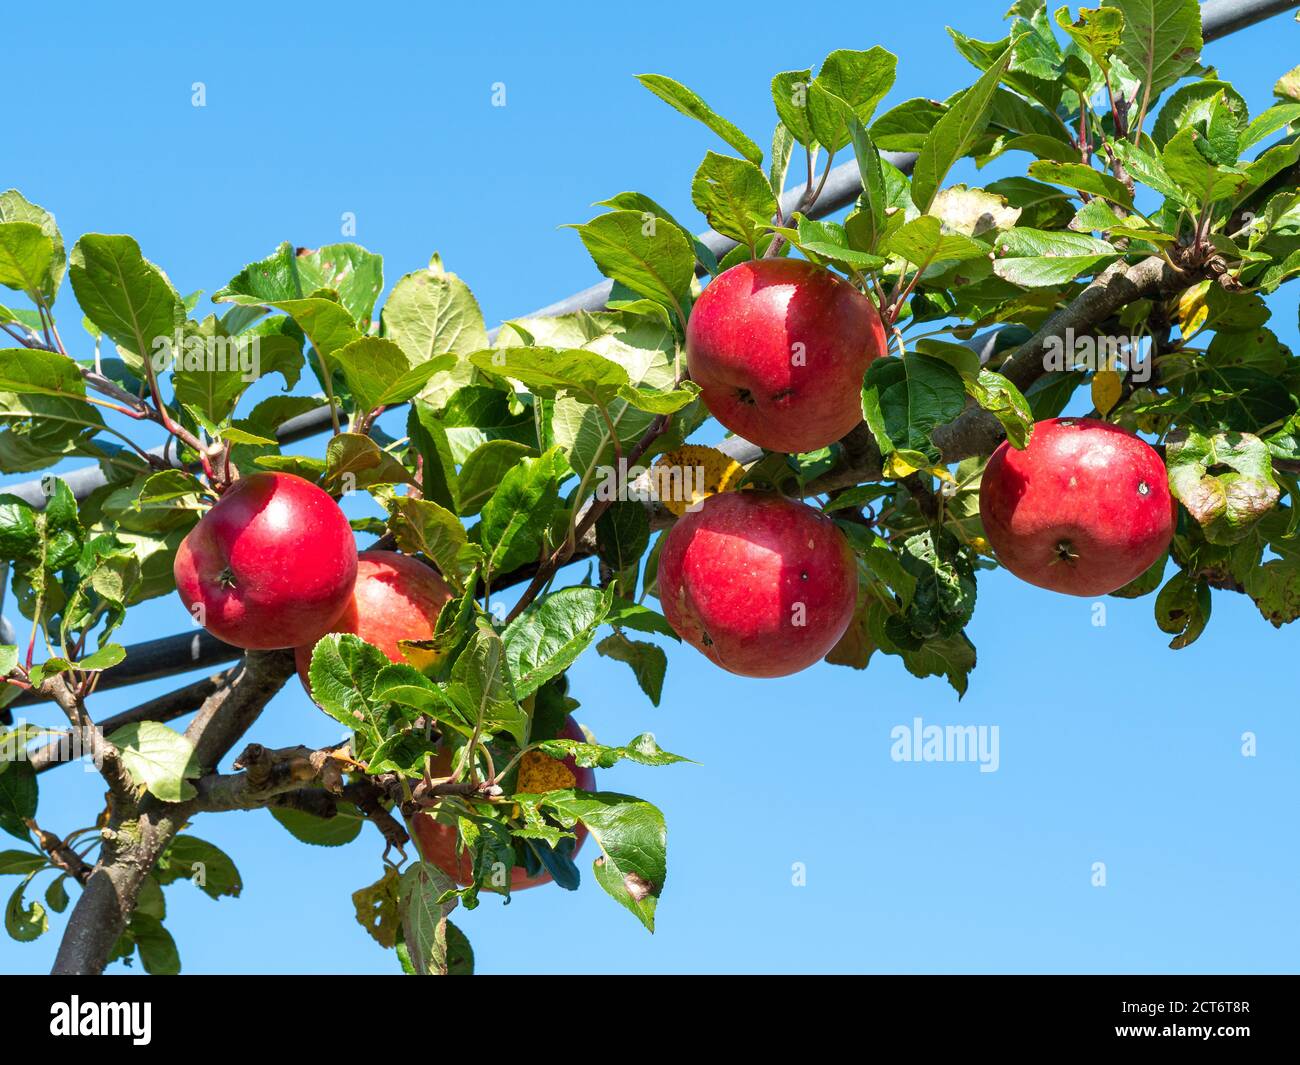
x=395, y=597
x=537, y=772
x=1084, y=509
x=778, y=348
x=271, y=565
x=763, y=585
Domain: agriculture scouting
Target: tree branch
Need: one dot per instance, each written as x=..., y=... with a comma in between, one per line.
x=103, y=753
x=229, y=712
x=140, y=829
x=976, y=431
x=268, y=773
x=63, y=856
x=167, y=707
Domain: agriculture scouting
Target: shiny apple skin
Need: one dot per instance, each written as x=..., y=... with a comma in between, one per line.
x=395, y=597
x=763, y=585
x=272, y=564
x=1084, y=509
x=779, y=348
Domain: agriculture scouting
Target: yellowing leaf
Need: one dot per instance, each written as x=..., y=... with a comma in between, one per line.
x=1192, y=309
x=686, y=476
x=1107, y=386
x=904, y=463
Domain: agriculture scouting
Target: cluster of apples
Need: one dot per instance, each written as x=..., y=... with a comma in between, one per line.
x=274, y=564
x=764, y=585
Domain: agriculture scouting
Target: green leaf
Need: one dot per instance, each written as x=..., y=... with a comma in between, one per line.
x=1085, y=179
x=655, y=261
x=682, y=99
x=327, y=324
x=356, y=461
x=623, y=534
x=289, y=274
x=790, y=95
x=922, y=241
x=1035, y=258
x=18, y=797
x=480, y=687
x=25, y=923
x=829, y=241
x=517, y=517
x=342, y=674
x=379, y=374
x=56, y=895
x=125, y=295
x=14, y=207
x=158, y=953
x=1270, y=121
x=860, y=80
x=432, y=312
x=633, y=842
x=550, y=372
x=648, y=661
x=782, y=148
x=343, y=827
x=423, y=527
x=906, y=127
x=627, y=615
x=955, y=133
x=1230, y=500
x=1197, y=175
x=639, y=201
x=1160, y=40
x=655, y=401
x=549, y=635
x=1183, y=609
x=159, y=760
x=642, y=749
x=203, y=864
x=903, y=399
x=952, y=657
x=1098, y=31
x=402, y=683
x=27, y=259
x=995, y=393
x=20, y=863
x=40, y=373
x=1195, y=103
x=485, y=468
x=478, y=413
x=424, y=917
x=735, y=197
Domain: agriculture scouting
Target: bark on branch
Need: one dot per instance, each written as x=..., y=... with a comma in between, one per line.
x=976, y=431
x=164, y=708
x=140, y=828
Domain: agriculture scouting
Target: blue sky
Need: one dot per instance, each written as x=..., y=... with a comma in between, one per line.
x=1113, y=748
